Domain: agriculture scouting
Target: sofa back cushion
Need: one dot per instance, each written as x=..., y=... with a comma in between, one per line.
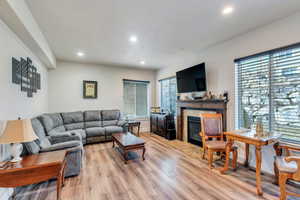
x=42, y=141
x=110, y=117
x=92, y=118
x=73, y=120
x=52, y=121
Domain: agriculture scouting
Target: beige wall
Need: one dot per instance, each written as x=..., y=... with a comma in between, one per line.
x=65, y=86
x=13, y=102
x=220, y=67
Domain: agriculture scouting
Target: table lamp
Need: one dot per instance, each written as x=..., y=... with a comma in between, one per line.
x=15, y=132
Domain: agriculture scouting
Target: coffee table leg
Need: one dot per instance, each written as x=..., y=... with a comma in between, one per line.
x=144, y=150
x=125, y=156
x=113, y=143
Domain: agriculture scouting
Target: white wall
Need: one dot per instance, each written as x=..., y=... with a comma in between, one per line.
x=65, y=86
x=16, y=14
x=13, y=102
x=219, y=61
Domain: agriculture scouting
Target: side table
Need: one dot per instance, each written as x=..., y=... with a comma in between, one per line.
x=34, y=169
x=132, y=124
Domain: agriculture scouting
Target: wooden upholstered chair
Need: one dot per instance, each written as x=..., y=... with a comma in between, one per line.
x=212, y=137
x=286, y=166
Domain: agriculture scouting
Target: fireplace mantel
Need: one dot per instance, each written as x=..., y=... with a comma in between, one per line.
x=219, y=106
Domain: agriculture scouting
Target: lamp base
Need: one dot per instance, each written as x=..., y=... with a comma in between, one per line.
x=16, y=150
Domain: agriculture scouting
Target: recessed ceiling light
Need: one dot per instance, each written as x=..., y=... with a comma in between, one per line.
x=227, y=10
x=142, y=62
x=80, y=54
x=133, y=39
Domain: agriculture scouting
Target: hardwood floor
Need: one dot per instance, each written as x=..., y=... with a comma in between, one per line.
x=167, y=173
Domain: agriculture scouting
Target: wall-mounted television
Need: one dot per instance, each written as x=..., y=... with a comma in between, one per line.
x=192, y=79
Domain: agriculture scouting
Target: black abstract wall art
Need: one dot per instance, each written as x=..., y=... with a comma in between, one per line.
x=26, y=75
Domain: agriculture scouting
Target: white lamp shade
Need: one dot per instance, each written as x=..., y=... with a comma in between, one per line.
x=17, y=131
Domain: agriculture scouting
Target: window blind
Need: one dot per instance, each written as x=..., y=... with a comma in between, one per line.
x=168, y=94
x=135, y=98
x=268, y=89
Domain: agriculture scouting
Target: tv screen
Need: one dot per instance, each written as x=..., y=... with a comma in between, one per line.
x=192, y=79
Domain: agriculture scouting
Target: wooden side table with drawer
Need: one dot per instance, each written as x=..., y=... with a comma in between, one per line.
x=34, y=169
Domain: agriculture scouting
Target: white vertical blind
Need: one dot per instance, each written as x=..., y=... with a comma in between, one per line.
x=168, y=94
x=135, y=98
x=268, y=88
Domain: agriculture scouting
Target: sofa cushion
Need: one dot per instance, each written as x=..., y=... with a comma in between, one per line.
x=72, y=117
x=95, y=131
x=38, y=128
x=110, y=123
x=80, y=132
x=74, y=126
x=113, y=129
x=108, y=115
x=73, y=120
x=59, y=129
x=61, y=146
x=51, y=121
x=92, y=115
x=31, y=147
x=92, y=118
x=40, y=132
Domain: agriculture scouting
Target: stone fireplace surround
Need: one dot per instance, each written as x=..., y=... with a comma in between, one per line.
x=195, y=108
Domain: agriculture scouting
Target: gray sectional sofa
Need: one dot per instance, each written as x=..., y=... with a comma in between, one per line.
x=70, y=131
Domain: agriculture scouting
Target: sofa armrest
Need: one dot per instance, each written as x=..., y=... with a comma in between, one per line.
x=64, y=137
x=62, y=146
x=122, y=123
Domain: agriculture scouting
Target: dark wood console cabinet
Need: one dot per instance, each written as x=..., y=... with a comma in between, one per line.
x=163, y=125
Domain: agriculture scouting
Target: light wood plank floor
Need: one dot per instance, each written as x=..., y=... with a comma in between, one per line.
x=167, y=173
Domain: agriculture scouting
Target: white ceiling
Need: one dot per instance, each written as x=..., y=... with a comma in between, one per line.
x=167, y=30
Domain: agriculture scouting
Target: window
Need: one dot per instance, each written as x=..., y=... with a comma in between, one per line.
x=135, y=98
x=168, y=94
x=268, y=88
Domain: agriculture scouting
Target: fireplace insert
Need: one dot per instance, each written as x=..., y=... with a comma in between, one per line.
x=194, y=128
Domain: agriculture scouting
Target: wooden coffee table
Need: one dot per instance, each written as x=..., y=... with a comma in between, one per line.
x=34, y=169
x=128, y=142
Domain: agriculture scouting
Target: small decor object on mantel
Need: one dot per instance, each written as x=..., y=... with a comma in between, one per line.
x=90, y=89
x=25, y=74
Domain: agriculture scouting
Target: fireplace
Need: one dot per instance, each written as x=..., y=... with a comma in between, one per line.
x=183, y=106
x=194, y=128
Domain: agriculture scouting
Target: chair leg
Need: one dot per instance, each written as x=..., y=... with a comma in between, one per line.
x=234, y=159
x=210, y=158
x=282, y=185
x=276, y=174
x=204, y=152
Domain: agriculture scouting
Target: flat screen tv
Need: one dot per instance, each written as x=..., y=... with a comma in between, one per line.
x=192, y=79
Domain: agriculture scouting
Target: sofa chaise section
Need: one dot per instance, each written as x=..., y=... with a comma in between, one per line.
x=45, y=143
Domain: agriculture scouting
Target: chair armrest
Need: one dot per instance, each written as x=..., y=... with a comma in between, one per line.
x=296, y=159
x=61, y=146
x=289, y=146
x=280, y=146
x=293, y=158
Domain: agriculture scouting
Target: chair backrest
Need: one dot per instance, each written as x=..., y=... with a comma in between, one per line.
x=211, y=124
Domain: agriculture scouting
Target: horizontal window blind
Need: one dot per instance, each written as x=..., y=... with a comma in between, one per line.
x=268, y=88
x=135, y=98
